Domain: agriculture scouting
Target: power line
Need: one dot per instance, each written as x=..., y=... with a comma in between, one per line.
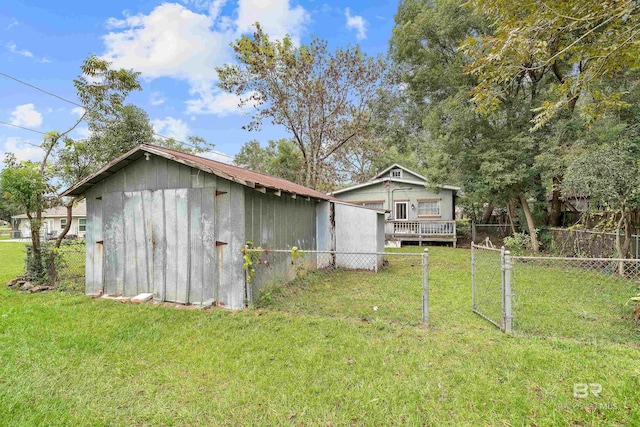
x=21, y=127
x=40, y=89
x=82, y=106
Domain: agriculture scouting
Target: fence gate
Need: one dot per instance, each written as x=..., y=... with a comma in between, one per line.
x=491, y=285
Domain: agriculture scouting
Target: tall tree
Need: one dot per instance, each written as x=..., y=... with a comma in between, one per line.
x=491, y=156
x=323, y=99
x=102, y=90
x=281, y=158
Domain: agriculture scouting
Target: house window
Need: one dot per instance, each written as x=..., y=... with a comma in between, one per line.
x=396, y=173
x=63, y=223
x=429, y=208
x=401, y=209
x=373, y=205
x=82, y=224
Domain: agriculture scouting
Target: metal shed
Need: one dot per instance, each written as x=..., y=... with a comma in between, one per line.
x=174, y=224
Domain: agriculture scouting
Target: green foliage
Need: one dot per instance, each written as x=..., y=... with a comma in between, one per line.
x=42, y=266
x=570, y=46
x=518, y=244
x=24, y=185
x=323, y=99
x=463, y=227
x=281, y=158
x=251, y=256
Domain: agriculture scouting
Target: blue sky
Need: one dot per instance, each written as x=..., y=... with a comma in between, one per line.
x=175, y=45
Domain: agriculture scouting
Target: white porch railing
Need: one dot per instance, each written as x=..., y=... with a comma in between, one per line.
x=421, y=228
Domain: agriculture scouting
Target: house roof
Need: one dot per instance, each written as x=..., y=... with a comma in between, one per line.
x=223, y=170
x=399, y=180
x=399, y=166
x=79, y=210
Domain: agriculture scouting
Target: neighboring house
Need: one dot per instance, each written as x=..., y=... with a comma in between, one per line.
x=175, y=224
x=416, y=213
x=54, y=220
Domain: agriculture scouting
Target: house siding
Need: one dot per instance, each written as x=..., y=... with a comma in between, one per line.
x=381, y=191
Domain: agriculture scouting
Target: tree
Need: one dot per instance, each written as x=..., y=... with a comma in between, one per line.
x=608, y=177
x=280, y=158
x=578, y=43
x=491, y=156
x=102, y=91
x=323, y=99
x=7, y=208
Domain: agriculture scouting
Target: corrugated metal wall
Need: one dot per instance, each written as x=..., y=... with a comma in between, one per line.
x=169, y=229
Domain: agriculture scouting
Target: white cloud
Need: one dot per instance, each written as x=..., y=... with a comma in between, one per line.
x=357, y=23
x=213, y=101
x=13, y=23
x=171, y=127
x=22, y=149
x=13, y=48
x=156, y=99
x=77, y=111
x=81, y=132
x=26, y=115
x=173, y=41
x=218, y=156
x=277, y=18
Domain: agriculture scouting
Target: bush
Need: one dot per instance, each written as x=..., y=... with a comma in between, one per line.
x=42, y=268
x=518, y=244
x=463, y=227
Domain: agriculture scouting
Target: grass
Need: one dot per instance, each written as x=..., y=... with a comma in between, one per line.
x=5, y=232
x=306, y=360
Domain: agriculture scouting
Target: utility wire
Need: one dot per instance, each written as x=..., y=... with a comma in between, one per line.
x=40, y=89
x=21, y=127
x=81, y=106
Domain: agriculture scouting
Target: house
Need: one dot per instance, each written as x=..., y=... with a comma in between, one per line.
x=54, y=220
x=175, y=224
x=416, y=212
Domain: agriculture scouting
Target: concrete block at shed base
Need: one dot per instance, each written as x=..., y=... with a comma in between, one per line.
x=393, y=244
x=144, y=297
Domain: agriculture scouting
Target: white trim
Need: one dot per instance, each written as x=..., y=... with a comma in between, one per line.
x=398, y=166
x=403, y=181
x=395, y=211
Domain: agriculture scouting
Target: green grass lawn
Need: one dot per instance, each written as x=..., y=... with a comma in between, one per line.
x=5, y=232
x=305, y=360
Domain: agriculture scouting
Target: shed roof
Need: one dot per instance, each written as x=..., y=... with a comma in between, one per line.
x=223, y=170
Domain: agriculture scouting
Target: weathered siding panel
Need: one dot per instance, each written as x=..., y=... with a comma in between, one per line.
x=195, y=247
x=159, y=244
x=378, y=192
x=209, y=270
x=171, y=239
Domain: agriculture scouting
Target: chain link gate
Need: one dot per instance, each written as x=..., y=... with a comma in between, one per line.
x=491, y=285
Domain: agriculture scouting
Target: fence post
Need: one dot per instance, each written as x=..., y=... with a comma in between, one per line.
x=425, y=287
x=506, y=295
x=473, y=277
x=473, y=231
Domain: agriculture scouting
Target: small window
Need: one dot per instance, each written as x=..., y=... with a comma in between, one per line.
x=63, y=223
x=374, y=205
x=429, y=208
x=396, y=173
x=82, y=224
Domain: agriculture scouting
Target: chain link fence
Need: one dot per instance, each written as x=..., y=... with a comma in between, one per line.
x=386, y=286
x=586, y=299
x=487, y=283
x=70, y=273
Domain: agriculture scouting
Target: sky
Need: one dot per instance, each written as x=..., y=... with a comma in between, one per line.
x=175, y=45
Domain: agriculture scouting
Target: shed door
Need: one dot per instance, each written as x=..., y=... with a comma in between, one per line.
x=162, y=242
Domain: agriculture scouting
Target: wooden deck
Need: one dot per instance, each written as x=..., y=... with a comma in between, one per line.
x=421, y=231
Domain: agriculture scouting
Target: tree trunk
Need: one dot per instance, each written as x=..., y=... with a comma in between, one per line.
x=530, y=224
x=511, y=213
x=486, y=217
x=64, y=232
x=556, y=203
